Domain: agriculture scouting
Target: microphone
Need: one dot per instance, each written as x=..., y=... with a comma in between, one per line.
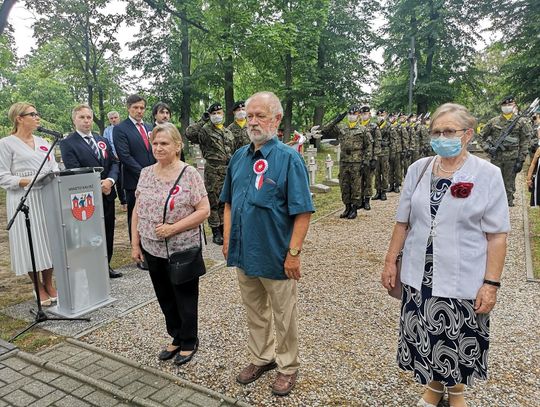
x=53, y=133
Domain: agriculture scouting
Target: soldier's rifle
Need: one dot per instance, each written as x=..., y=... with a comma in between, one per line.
x=528, y=112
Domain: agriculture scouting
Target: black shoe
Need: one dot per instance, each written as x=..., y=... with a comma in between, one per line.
x=396, y=189
x=142, y=266
x=166, y=355
x=367, y=206
x=353, y=212
x=180, y=359
x=346, y=211
x=114, y=273
x=217, y=237
x=383, y=196
x=377, y=196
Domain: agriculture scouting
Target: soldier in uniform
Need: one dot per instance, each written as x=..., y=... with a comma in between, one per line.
x=238, y=128
x=367, y=181
x=414, y=137
x=217, y=147
x=403, y=132
x=356, y=150
x=511, y=153
x=425, y=138
x=396, y=149
x=382, y=171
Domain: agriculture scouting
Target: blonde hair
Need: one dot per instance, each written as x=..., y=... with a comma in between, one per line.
x=463, y=116
x=171, y=130
x=78, y=108
x=15, y=111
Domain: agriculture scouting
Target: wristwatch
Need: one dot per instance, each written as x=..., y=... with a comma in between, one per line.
x=293, y=251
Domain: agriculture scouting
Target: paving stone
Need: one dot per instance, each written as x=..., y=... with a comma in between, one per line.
x=109, y=364
x=55, y=356
x=83, y=391
x=66, y=383
x=70, y=401
x=178, y=398
x=114, y=376
x=154, y=381
x=187, y=404
x=100, y=398
x=95, y=371
x=15, y=363
x=130, y=377
x=46, y=376
x=30, y=370
x=9, y=375
x=166, y=392
x=139, y=389
x=3, y=403
x=204, y=400
x=19, y=398
x=82, y=362
x=48, y=399
x=14, y=386
x=38, y=389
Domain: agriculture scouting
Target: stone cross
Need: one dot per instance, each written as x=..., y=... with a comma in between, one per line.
x=312, y=168
x=329, y=164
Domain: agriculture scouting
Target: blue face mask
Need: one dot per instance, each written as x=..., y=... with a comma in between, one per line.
x=446, y=147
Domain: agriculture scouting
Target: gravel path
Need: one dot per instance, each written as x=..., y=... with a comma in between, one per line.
x=348, y=327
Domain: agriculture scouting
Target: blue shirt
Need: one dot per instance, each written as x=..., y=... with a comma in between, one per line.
x=262, y=219
x=108, y=134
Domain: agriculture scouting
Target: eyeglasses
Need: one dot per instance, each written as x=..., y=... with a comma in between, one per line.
x=446, y=133
x=33, y=114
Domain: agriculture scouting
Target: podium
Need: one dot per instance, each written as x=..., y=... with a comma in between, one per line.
x=76, y=228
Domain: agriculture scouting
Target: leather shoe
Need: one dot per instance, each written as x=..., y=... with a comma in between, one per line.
x=252, y=372
x=114, y=273
x=179, y=359
x=284, y=383
x=166, y=355
x=142, y=266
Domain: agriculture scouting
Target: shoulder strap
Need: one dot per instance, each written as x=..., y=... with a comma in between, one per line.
x=418, y=181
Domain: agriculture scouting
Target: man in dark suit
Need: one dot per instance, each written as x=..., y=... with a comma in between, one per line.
x=84, y=149
x=132, y=143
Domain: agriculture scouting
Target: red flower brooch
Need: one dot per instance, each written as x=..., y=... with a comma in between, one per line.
x=461, y=189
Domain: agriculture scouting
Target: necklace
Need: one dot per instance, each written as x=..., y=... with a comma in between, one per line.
x=440, y=167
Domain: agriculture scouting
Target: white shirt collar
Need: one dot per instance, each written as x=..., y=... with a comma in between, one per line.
x=135, y=122
x=84, y=135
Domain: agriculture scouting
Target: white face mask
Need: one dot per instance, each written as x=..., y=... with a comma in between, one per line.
x=352, y=118
x=365, y=116
x=241, y=115
x=507, y=109
x=216, y=118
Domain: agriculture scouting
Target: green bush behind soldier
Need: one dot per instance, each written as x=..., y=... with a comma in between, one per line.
x=396, y=152
x=382, y=170
x=217, y=146
x=510, y=158
x=356, y=149
x=369, y=171
x=238, y=127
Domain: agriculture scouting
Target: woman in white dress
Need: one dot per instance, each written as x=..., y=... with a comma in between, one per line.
x=21, y=154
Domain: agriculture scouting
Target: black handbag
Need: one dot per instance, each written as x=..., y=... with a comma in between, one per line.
x=188, y=264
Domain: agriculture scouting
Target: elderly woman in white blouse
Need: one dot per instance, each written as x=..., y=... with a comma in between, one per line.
x=21, y=154
x=452, y=223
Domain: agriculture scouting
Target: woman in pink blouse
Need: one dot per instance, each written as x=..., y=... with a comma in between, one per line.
x=188, y=207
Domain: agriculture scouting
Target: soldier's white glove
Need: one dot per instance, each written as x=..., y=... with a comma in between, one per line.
x=315, y=132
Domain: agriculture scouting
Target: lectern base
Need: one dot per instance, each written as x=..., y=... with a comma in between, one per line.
x=62, y=313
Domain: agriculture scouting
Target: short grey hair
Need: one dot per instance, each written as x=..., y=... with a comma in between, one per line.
x=274, y=103
x=113, y=113
x=462, y=115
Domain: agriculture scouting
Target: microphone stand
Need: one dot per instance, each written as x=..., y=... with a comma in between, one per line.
x=40, y=315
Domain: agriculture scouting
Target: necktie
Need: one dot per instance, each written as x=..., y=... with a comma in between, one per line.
x=92, y=145
x=143, y=135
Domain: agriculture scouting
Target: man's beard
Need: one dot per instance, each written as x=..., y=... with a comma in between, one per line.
x=260, y=138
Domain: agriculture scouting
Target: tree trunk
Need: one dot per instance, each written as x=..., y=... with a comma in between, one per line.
x=318, y=112
x=423, y=101
x=228, y=76
x=287, y=115
x=185, y=109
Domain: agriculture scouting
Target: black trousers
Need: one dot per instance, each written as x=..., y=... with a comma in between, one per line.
x=179, y=303
x=130, y=200
x=109, y=218
x=119, y=185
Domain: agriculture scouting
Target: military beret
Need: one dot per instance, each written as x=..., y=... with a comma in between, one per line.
x=238, y=105
x=354, y=109
x=508, y=99
x=365, y=109
x=381, y=111
x=214, y=107
x=401, y=114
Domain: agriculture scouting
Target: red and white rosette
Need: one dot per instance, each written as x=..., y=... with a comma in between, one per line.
x=45, y=149
x=176, y=190
x=103, y=147
x=259, y=168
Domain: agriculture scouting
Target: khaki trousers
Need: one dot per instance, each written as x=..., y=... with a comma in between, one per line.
x=263, y=298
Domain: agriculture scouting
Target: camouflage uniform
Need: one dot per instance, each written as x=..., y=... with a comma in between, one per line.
x=356, y=152
x=406, y=153
x=511, y=156
x=240, y=134
x=383, y=161
x=217, y=147
x=369, y=171
x=424, y=141
x=395, y=152
x=415, y=141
